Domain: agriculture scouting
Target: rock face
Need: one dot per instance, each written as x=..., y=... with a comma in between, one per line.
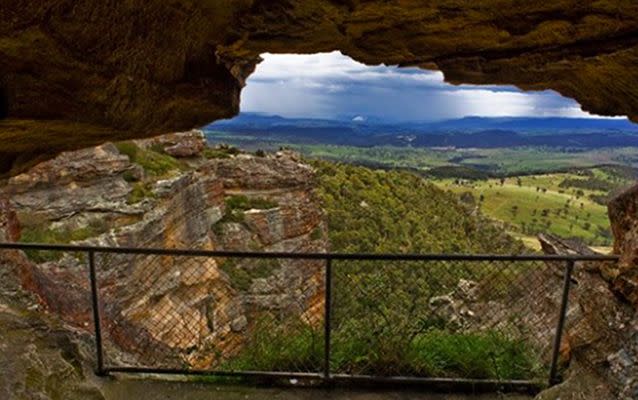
x=600, y=344
x=180, y=145
x=166, y=310
x=40, y=358
x=623, y=215
x=79, y=73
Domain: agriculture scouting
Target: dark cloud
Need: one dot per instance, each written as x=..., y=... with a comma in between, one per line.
x=330, y=84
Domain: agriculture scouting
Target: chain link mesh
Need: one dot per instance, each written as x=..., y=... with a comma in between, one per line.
x=234, y=314
x=458, y=319
x=441, y=318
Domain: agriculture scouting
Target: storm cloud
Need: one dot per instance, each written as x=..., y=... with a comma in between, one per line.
x=329, y=85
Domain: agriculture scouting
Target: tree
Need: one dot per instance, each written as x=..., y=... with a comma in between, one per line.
x=514, y=210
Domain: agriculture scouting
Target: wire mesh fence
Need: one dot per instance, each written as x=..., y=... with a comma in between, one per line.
x=195, y=312
x=444, y=318
x=327, y=316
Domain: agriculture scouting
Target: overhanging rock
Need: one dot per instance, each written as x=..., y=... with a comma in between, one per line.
x=75, y=73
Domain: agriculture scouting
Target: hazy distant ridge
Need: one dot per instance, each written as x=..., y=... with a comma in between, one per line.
x=465, y=132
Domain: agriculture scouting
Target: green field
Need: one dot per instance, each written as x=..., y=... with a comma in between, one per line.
x=565, y=204
x=500, y=161
x=530, y=190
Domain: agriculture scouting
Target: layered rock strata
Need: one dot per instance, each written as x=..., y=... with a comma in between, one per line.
x=168, y=310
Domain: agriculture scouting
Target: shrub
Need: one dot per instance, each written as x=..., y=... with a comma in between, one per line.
x=211, y=153
x=140, y=192
x=293, y=345
x=129, y=149
x=130, y=177
x=154, y=163
x=242, y=276
x=221, y=151
x=275, y=345
x=244, y=203
x=42, y=233
x=316, y=234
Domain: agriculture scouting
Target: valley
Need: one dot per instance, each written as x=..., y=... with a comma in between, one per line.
x=568, y=204
x=529, y=189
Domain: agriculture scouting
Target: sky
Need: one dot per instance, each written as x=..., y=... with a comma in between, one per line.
x=331, y=85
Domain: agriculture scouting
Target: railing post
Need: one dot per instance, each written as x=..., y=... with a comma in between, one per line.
x=561, y=322
x=327, y=319
x=99, y=370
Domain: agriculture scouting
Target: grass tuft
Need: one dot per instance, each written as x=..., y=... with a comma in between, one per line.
x=155, y=163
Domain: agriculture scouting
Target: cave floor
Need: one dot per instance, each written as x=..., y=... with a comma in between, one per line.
x=151, y=389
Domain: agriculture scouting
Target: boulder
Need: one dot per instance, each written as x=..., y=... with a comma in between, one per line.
x=178, y=145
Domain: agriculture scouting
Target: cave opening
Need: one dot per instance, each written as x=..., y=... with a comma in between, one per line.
x=532, y=160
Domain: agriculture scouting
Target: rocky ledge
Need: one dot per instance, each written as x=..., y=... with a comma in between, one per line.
x=161, y=310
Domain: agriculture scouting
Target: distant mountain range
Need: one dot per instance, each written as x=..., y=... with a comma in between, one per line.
x=464, y=132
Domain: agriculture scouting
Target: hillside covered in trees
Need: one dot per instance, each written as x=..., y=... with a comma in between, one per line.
x=399, y=212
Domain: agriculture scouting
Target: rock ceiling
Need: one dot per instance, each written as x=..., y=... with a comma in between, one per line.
x=75, y=73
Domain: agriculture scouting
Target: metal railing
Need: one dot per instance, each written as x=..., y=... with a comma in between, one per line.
x=391, y=318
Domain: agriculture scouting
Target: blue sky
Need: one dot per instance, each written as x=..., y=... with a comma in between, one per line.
x=329, y=85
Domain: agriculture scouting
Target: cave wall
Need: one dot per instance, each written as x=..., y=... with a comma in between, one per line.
x=75, y=73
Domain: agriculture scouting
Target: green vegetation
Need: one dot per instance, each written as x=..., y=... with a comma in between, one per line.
x=316, y=234
x=244, y=203
x=235, y=207
x=438, y=353
x=382, y=321
x=242, y=276
x=154, y=161
x=130, y=177
x=399, y=212
x=296, y=346
x=43, y=233
x=494, y=161
x=276, y=346
x=220, y=151
x=566, y=204
x=140, y=192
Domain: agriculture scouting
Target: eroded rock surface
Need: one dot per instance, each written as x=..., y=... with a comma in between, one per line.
x=40, y=357
x=600, y=345
x=165, y=310
x=623, y=214
x=79, y=73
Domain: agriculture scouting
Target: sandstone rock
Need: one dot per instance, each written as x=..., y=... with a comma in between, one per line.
x=623, y=210
x=455, y=308
x=173, y=310
x=40, y=358
x=9, y=224
x=601, y=333
x=246, y=172
x=86, y=181
x=585, y=50
x=181, y=144
x=239, y=324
